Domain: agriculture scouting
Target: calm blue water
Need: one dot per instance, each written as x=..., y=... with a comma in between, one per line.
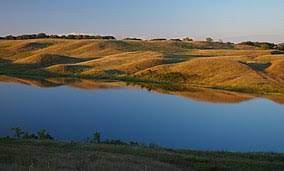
x=146, y=117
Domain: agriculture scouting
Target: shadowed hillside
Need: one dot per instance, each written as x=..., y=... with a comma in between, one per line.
x=43, y=60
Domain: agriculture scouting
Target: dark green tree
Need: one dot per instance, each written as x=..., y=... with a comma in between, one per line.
x=10, y=37
x=96, y=138
x=188, y=39
x=41, y=36
x=209, y=39
x=44, y=135
x=29, y=136
x=18, y=132
x=280, y=46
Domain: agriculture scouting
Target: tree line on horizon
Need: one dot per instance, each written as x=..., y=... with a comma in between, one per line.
x=263, y=45
x=54, y=36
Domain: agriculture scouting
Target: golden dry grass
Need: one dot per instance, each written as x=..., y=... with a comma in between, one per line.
x=277, y=68
x=47, y=60
x=234, y=68
x=214, y=72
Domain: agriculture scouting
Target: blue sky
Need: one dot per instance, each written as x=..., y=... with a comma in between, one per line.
x=230, y=20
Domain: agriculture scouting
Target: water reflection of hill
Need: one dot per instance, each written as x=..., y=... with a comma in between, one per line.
x=193, y=93
x=215, y=96
x=277, y=99
x=55, y=82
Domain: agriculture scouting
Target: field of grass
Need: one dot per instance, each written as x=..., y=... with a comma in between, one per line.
x=204, y=64
x=56, y=155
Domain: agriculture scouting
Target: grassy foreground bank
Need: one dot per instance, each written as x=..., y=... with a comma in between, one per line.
x=54, y=155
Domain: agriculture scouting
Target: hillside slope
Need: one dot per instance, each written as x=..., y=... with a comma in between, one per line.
x=215, y=65
x=213, y=72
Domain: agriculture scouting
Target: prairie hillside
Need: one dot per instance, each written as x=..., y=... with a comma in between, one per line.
x=236, y=67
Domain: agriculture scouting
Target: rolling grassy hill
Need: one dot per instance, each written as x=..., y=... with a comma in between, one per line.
x=203, y=64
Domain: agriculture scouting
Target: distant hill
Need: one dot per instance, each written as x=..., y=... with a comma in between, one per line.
x=248, y=67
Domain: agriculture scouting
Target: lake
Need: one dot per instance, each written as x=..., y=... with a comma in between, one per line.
x=194, y=119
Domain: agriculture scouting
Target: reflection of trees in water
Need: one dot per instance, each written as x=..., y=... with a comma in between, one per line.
x=56, y=82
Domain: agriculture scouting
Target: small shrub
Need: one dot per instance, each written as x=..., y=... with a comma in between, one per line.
x=130, y=38
x=280, y=46
x=158, y=39
x=176, y=40
x=18, y=132
x=115, y=142
x=277, y=52
x=188, y=39
x=96, y=138
x=209, y=39
x=43, y=135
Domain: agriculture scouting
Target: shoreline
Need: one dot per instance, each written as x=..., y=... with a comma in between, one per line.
x=138, y=81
